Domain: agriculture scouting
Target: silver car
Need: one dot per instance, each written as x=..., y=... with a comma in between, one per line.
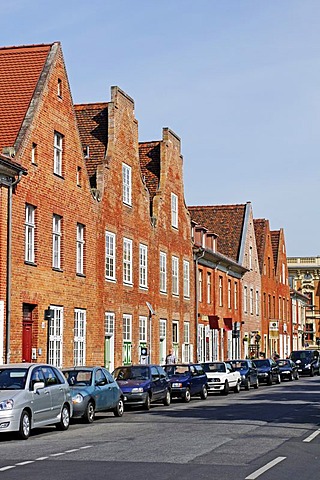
x=33, y=395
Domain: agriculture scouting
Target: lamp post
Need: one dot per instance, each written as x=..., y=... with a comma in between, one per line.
x=10, y=175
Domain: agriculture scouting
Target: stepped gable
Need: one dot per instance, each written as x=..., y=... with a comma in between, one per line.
x=260, y=229
x=20, y=69
x=226, y=221
x=92, y=122
x=149, y=155
x=275, y=241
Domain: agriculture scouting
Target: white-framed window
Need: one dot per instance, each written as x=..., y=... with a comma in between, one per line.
x=127, y=260
x=186, y=347
x=30, y=227
x=56, y=241
x=200, y=285
x=79, y=337
x=80, y=249
x=110, y=256
x=143, y=266
x=34, y=152
x=186, y=278
x=257, y=302
x=251, y=300
x=58, y=144
x=175, y=275
x=143, y=322
x=220, y=291
x=59, y=88
x=245, y=298
x=250, y=257
x=79, y=176
x=126, y=184
x=235, y=296
x=186, y=332
x=127, y=328
x=229, y=293
x=109, y=320
x=175, y=331
x=174, y=210
x=163, y=272
x=209, y=286
x=163, y=328
x=55, y=336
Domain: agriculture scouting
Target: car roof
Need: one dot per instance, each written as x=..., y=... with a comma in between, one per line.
x=24, y=365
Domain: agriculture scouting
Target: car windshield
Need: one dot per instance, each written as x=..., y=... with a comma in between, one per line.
x=301, y=355
x=176, y=370
x=239, y=365
x=131, y=373
x=13, y=378
x=283, y=363
x=214, y=367
x=78, y=377
x=261, y=363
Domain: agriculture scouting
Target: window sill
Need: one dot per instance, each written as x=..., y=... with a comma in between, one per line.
x=55, y=269
x=80, y=275
x=128, y=284
x=58, y=175
x=111, y=280
x=31, y=264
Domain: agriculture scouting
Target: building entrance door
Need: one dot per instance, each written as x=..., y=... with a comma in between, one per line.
x=27, y=322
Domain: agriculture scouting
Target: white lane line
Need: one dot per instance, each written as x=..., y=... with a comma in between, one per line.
x=312, y=436
x=87, y=446
x=7, y=468
x=261, y=470
x=72, y=450
x=57, y=454
x=25, y=463
x=41, y=458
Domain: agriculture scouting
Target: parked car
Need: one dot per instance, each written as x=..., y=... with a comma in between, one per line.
x=93, y=390
x=33, y=395
x=248, y=373
x=222, y=377
x=288, y=369
x=187, y=380
x=143, y=384
x=268, y=371
x=307, y=361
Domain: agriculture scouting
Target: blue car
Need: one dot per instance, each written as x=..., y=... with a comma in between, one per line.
x=142, y=385
x=93, y=390
x=248, y=372
x=187, y=380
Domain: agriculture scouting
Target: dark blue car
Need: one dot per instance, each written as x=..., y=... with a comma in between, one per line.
x=248, y=372
x=187, y=380
x=143, y=384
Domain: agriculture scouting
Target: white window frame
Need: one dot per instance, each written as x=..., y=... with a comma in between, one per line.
x=143, y=329
x=30, y=227
x=55, y=327
x=209, y=286
x=220, y=291
x=110, y=270
x=229, y=293
x=163, y=272
x=143, y=266
x=175, y=275
x=200, y=285
x=174, y=210
x=58, y=152
x=175, y=332
x=109, y=322
x=126, y=184
x=56, y=241
x=235, y=296
x=162, y=328
x=80, y=325
x=127, y=327
x=186, y=279
x=127, y=261
x=80, y=249
x=34, y=153
x=257, y=302
x=186, y=333
x=251, y=300
x=245, y=299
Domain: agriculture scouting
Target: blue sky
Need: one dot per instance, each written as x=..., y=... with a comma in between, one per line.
x=237, y=80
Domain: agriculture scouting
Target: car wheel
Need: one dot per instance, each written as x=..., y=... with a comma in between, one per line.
x=25, y=426
x=147, y=403
x=256, y=385
x=64, y=419
x=167, y=399
x=204, y=393
x=187, y=396
x=248, y=385
x=225, y=390
x=278, y=379
x=311, y=372
x=119, y=409
x=88, y=415
x=237, y=388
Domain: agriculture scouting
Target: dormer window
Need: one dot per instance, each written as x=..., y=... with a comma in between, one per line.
x=59, y=88
x=86, y=151
x=34, y=154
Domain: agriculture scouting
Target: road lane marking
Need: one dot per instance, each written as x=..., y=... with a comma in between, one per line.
x=41, y=458
x=312, y=436
x=261, y=470
x=25, y=463
x=7, y=468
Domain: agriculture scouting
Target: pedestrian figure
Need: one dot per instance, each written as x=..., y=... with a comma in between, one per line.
x=170, y=358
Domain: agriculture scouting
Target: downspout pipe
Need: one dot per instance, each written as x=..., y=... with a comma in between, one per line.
x=8, y=279
x=198, y=254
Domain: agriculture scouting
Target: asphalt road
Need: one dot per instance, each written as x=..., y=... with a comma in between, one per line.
x=272, y=432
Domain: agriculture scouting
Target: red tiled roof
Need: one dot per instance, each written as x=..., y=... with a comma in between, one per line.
x=226, y=221
x=275, y=241
x=92, y=121
x=260, y=229
x=149, y=155
x=20, y=69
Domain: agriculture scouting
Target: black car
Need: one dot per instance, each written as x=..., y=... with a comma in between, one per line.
x=187, y=380
x=288, y=369
x=307, y=361
x=248, y=372
x=143, y=384
x=268, y=371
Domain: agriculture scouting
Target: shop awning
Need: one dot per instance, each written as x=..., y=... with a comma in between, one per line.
x=214, y=322
x=227, y=323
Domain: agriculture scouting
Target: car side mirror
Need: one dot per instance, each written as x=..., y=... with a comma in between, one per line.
x=38, y=386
